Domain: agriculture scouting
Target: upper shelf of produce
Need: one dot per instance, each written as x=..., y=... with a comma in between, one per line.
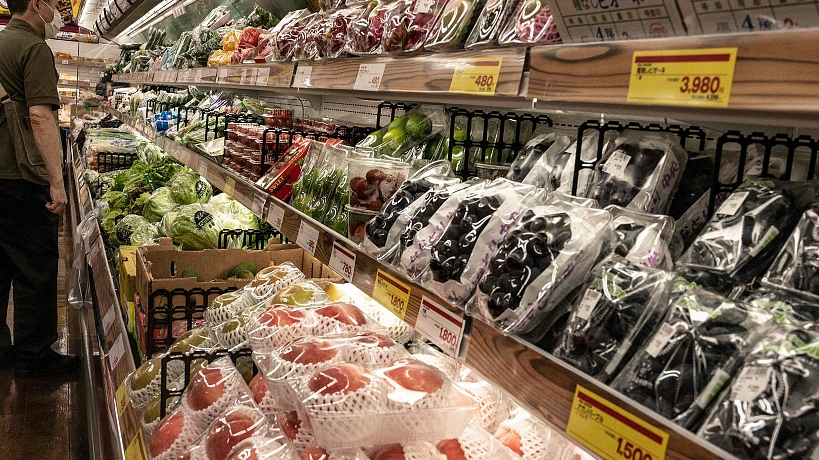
x=539, y=382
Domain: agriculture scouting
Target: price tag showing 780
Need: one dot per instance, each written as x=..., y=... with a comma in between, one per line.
x=342, y=261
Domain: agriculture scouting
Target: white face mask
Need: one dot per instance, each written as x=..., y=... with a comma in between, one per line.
x=51, y=28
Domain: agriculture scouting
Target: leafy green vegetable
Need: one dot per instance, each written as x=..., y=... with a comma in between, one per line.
x=188, y=187
x=124, y=228
x=145, y=234
x=245, y=270
x=192, y=273
x=159, y=203
x=195, y=227
x=116, y=200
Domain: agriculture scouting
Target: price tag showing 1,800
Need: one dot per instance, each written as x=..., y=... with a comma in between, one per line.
x=611, y=432
x=696, y=77
x=308, y=237
x=342, y=260
x=476, y=76
x=391, y=293
x=439, y=325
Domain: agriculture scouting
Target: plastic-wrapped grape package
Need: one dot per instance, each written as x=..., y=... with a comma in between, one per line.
x=642, y=238
x=749, y=228
x=542, y=141
x=449, y=31
x=332, y=36
x=287, y=33
x=615, y=313
x=479, y=224
x=540, y=262
x=695, y=351
x=364, y=32
x=771, y=410
x=787, y=307
x=532, y=23
x=640, y=171
x=488, y=25
x=555, y=170
x=797, y=265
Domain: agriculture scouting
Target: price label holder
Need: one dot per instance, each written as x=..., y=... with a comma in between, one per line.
x=263, y=76
x=109, y=318
x=65, y=61
x=202, y=167
x=302, y=77
x=611, y=432
x=440, y=326
x=342, y=260
x=391, y=293
x=308, y=237
x=258, y=206
x=122, y=397
x=116, y=353
x=476, y=76
x=136, y=449
x=698, y=78
x=369, y=77
x=223, y=75
x=230, y=186
x=198, y=76
x=276, y=216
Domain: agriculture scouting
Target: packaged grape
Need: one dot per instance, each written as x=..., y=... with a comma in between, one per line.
x=364, y=32
x=749, y=228
x=698, y=347
x=787, y=307
x=461, y=255
x=641, y=170
x=332, y=36
x=305, y=46
x=526, y=436
x=797, y=265
x=287, y=33
x=538, y=265
x=406, y=137
x=770, y=411
x=531, y=24
x=642, y=238
x=617, y=309
x=541, y=142
x=487, y=29
x=453, y=24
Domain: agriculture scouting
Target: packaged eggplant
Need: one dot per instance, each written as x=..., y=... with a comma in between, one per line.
x=693, y=354
x=479, y=224
x=487, y=29
x=641, y=170
x=618, y=308
x=531, y=24
x=542, y=141
x=797, y=265
x=365, y=31
x=643, y=238
x=455, y=21
x=749, y=228
x=771, y=409
x=787, y=307
x=542, y=260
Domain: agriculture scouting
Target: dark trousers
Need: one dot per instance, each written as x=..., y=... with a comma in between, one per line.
x=29, y=255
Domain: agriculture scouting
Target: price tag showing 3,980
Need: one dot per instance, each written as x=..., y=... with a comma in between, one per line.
x=307, y=238
x=476, y=76
x=611, y=432
x=391, y=293
x=342, y=260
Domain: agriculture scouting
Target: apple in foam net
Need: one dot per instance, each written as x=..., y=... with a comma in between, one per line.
x=339, y=378
x=280, y=316
x=374, y=340
x=452, y=449
x=344, y=313
x=309, y=352
x=510, y=439
x=146, y=373
x=166, y=433
x=206, y=387
x=413, y=375
x=290, y=423
x=314, y=453
x=226, y=432
x=258, y=387
x=387, y=452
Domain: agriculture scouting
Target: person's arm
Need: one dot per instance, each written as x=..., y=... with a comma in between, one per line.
x=47, y=138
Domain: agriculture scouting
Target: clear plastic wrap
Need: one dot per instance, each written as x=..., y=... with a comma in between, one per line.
x=300, y=294
x=364, y=32
x=374, y=182
x=543, y=141
x=787, y=307
x=531, y=24
x=262, y=448
x=461, y=255
x=393, y=38
x=419, y=450
x=641, y=170
x=286, y=33
x=693, y=354
x=267, y=282
x=276, y=325
x=797, y=265
x=526, y=436
x=306, y=44
x=554, y=169
x=322, y=192
x=540, y=262
x=239, y=422
x=642, y=238
x=494, y=407
x=770, y=411
x=474, y=444
x=332, y=35
x=749, y=228
x=408, y=137
x=454, y=22
x=617, y=310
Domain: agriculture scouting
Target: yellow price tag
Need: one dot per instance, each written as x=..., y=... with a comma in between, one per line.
x=699, y=78
x=476, y=76
x=230, y=185
x=612, y=432
x=136, y=449
x=122, y=398
x=391, y=293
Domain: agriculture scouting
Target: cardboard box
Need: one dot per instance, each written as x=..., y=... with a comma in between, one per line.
x=731, y=16
x=580, y=21
x=127, y=281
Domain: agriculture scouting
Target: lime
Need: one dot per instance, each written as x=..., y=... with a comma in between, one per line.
x=419, y=126
x=372, y=139
x=398, y=123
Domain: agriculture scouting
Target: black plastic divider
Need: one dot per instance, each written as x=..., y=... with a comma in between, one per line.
x=250, y=239
x=393, y=108
x=110, y=161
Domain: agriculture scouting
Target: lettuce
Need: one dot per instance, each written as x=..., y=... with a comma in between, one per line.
x=195, y=227
x=188, y=187
x=159, y=203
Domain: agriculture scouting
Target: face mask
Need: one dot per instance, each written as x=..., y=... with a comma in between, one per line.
x=51, y=28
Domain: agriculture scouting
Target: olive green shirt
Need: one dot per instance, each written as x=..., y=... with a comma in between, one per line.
x=29, y=75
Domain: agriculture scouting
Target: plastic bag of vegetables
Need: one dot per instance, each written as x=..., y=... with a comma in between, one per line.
x=188, y=187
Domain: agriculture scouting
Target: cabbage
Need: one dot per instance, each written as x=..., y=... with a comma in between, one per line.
x=195, y=227
x=125, y=227
x=233, y=213
x=159, y=203
x=110, y=217
x=145, y=234
x=188, y=187
x=167, y=220
x=117, y=201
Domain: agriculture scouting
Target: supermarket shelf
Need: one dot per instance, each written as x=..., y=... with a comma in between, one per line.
x=80, y=62
x=539, y=382
x=75, y=83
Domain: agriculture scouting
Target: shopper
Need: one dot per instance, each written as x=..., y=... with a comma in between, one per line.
x=32, y=193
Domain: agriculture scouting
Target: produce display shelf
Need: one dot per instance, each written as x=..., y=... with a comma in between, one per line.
x=540, y=383
x=81, y=63
x=75, y=83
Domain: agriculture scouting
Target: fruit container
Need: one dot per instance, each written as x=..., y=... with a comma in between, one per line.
x=456, y=18
x=491, y=172
x=796, y=268
x=358, y=219
x=254, y=166
x=373, y=182
x=532, y=23
x=493, y=17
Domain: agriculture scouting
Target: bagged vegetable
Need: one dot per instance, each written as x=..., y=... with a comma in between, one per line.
x=194, y=227
x=364, y=33
x=144, y=234
x=322, y=191
x=797, y=265
x=787, y=307
x=749, y=228
x=617, y=310
x=541, y=142
x=641, y=170
x=230, y=42
x=771, y=411
x=159, y=203
x=406, y=137
x=532, y=23
x=332, y=32
x=698, y=347
x=287, y=32
x=642, y=238
x=407, y=24
x=306, y=45
x=188, y=187
x=454, y=22
x=249, y=38
x=487, y=29
x=125, y=227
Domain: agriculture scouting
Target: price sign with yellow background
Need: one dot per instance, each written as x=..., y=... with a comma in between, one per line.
x=476, y=76
x=391, y=293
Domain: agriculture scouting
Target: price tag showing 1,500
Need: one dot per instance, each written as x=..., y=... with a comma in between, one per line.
x=439, y=325
x=369, y=77
x=342, y=260
x=276, y=216
x=476, y=76
x=308, y=237
x=391, y=293
x=697, y=77
x=611, y=432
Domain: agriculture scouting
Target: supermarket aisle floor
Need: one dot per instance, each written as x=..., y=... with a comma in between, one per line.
x=44, y=418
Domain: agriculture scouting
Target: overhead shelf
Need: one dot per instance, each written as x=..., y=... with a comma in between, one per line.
x=81, y=62
x=542, y=384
